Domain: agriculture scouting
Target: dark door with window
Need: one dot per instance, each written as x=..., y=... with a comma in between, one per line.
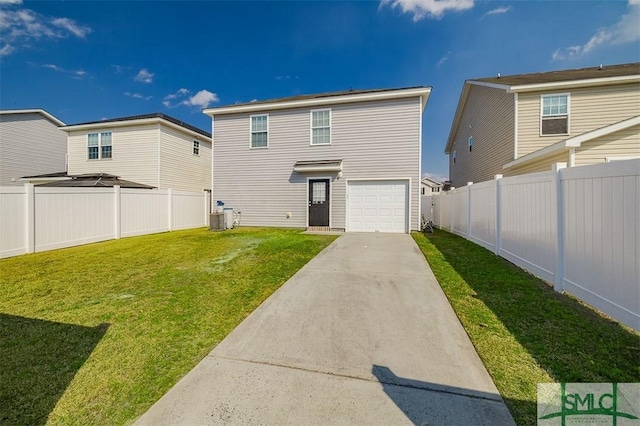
x=318, y=202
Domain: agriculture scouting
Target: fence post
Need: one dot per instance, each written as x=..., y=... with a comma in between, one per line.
x=452, y=208
x=170, y=205
x=30, y=229
x=469, y=184
x=498, y=215
x=117, y=232
x=558, y=211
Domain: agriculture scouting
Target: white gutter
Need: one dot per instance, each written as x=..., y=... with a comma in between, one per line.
x=607, y=81
x=34, y=111
x=125, y=123
x=328, y=100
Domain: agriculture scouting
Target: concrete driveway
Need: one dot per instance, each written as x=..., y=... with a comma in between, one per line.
x=362, y=334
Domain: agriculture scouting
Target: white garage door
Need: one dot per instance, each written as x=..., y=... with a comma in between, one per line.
x=378, y=206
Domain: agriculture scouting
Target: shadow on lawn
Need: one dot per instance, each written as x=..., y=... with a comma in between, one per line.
x=39, y=359
x=570, y=341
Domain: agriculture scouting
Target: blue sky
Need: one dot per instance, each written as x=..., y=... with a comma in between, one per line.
x=85, y=61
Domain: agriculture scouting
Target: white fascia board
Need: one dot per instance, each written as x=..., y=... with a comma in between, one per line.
x=461, y=104
x=607, y=81
x=505, y=87
x=325, y=101
x=313, y=169
x=574, y=142
x=42, y=112
x=114, y=124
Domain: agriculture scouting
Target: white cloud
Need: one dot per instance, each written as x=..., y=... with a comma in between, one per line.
x=497, y=11
x=10, y=1
x=19, y=27
x=137, y=96
x=202, y=99
x=53, y=67
x=179, y=94
x=71, y=26
x=76, y=74
x=428, y=8
x=6, y=50
x=144, y=76
x=624, y=31
x=435, y=176
x=444, y=59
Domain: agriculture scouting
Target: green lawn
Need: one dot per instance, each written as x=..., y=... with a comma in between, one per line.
x=525, y=332
x=96, y=334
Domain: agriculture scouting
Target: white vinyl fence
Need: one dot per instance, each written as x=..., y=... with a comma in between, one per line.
x=35, y=219
x=577, y=228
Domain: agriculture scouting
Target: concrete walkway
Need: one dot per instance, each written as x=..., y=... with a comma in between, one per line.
x=362, y=334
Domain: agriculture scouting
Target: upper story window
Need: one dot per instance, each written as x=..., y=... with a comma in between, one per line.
x=259, y=131
x=196, y=148
x=99, y=146
x=470, y=143
x=554, y=114
x=454, y=155
x=321, y=127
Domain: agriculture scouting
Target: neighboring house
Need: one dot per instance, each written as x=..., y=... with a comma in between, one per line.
x=519, y=124
x=429, y=186
x=346, y=160
x=153, y=149
x=31, y=143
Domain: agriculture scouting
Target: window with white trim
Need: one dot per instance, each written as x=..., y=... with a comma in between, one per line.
x=259, y=131
x=321, y=127
x=99, y=146
x=554, y=114
x=470, y=143
x=196, y=147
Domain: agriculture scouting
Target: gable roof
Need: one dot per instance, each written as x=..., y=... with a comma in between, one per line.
x=95, y=180
x=40, y=111
x=574, y=142
x=430, y=182
x=563, y=76
x=553, y=80
x=322, y=99
x=139, y=119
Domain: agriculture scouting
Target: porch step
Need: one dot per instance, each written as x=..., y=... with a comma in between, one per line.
x=318, y=228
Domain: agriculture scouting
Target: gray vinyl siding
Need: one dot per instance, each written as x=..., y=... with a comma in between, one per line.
x=488, y=116
x=590, y=108
x=180, y=168
x=375, y=140
x=134, y=153
x=30, y=145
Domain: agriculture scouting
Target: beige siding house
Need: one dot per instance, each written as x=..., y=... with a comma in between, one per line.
x=153, y=149
x=344, y=160
x=31, y=143
x=520, y=124
x=429, y=186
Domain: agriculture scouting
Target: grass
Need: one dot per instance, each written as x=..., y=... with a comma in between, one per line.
x=524, y=331
x=96, y=334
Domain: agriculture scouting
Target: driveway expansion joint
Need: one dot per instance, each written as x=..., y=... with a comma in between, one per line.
x=436, y=388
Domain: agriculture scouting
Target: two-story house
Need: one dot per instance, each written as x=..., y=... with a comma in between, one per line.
x=152, y=149
x=346, y=160
x=430, y=186
x=31, y=143
x=519, y=124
